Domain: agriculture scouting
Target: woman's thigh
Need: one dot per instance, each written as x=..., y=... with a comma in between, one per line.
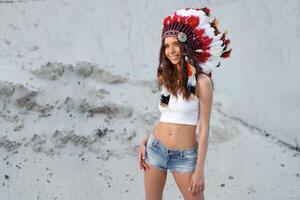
x=154, y=180
x=183, y=181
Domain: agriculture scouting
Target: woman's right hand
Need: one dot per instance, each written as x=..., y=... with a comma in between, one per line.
x=142, y=155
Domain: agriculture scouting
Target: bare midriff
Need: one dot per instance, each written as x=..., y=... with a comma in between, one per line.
x=176, y=136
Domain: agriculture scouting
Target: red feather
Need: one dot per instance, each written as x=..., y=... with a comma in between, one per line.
x=223, y=37
x=214, y=23
x=226, y=54
x=227, y=42
x=206, y=10
x=206, y=40
x=193, y=21
x=199, y=32
x=189, y=69
x=205, y=47
x=182, y=19
x=167, y=20
x=204, y=56
x=175, y=18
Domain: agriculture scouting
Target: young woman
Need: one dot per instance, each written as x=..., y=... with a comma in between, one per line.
x=191, y=46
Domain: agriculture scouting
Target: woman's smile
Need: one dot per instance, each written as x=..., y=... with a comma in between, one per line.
x=172, y=50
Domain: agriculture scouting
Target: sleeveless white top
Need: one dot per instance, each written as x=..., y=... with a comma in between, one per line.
x=180, y=110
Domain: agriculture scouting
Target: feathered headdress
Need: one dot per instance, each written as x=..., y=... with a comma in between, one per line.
x=196, y=28
x=199, y=31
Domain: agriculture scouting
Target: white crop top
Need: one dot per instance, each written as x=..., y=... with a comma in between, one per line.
x=180, y=110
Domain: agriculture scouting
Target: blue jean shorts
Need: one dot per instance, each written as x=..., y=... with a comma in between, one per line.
x=174, y=160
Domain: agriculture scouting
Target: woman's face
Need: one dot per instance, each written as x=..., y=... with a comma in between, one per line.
x=172, y=50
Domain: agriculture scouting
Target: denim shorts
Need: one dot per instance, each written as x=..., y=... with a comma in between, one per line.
x=174, y=160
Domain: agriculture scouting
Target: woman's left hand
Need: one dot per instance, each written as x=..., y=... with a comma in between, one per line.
x=197, y=183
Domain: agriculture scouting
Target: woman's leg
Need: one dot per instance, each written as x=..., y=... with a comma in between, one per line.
x=183, y=182
x=154, y=180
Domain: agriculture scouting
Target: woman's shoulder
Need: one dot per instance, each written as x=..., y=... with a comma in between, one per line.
x=204, y=83
x=203, y=80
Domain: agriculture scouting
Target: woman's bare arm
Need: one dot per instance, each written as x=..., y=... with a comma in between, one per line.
x=205, y=94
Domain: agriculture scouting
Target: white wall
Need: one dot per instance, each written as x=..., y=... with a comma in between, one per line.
x=261, y=81
x=258, y=83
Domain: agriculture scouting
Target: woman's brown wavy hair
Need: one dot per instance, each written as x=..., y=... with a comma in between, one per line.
x=167, y=74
